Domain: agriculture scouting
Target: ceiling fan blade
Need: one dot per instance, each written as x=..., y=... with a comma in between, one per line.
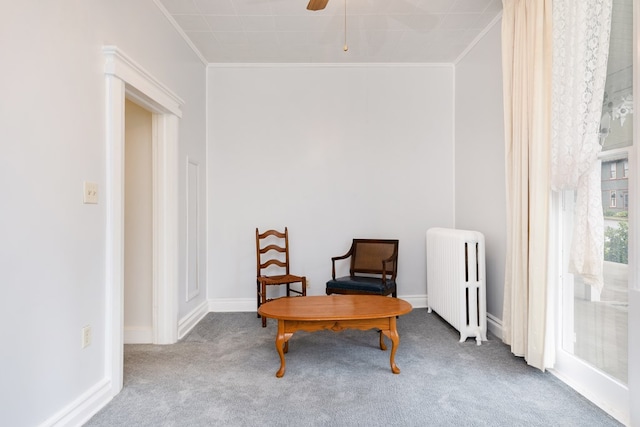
x=317, y=4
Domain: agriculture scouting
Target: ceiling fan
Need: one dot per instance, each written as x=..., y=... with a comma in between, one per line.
x=317, y=4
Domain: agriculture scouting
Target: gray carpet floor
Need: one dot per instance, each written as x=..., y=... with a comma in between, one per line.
x=223, y=374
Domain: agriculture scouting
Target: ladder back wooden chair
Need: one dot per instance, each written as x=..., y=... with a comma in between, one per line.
x=272, y=265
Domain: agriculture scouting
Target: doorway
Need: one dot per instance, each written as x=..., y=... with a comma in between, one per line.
x=138, y=226
x=125, y=79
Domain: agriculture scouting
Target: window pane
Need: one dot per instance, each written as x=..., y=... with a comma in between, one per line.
x=595, y=323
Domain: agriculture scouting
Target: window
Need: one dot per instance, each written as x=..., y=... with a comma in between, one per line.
x=592, y=324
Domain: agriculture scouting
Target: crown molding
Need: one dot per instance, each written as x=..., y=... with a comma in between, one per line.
x=184, y=36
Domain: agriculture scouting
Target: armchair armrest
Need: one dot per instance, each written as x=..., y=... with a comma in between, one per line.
x=336, y=258
x=393, y=258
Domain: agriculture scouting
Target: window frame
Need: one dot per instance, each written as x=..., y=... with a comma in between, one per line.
x=625, y=169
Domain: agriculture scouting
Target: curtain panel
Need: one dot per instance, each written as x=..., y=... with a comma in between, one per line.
x=526, y=55
x=554, y=70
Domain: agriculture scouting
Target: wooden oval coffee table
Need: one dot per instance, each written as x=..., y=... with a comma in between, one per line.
x=336, y=313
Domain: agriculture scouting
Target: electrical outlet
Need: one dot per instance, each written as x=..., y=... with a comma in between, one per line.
x=90, y=193
x=86, y=336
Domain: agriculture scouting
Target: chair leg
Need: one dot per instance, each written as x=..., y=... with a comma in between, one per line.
x=264, y=299
x=258, y=296
x=304, y=286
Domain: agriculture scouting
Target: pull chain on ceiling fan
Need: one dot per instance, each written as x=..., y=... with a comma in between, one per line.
x=346, y=47
x=321, y=4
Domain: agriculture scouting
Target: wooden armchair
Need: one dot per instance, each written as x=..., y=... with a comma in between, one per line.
x=373, y=269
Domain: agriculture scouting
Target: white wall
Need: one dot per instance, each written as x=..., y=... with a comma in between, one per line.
x=333, y=153
x=52, y=133
x=479, y=154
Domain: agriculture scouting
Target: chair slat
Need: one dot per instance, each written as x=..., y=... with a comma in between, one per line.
x=273, y=248
x=273, y=262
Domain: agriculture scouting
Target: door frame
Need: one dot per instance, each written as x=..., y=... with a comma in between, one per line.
x=125, y=79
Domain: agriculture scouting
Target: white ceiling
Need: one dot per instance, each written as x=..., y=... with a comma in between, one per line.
x=377, y=31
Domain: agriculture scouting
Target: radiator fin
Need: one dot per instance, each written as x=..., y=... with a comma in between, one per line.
x=456, y=287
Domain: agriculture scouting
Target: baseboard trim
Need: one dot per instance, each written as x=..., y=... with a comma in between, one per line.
x=83, y=408
x=416, y=301
x=190, y=320
x=494, y=325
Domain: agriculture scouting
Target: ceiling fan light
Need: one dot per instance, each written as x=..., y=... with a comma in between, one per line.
x=317, y=4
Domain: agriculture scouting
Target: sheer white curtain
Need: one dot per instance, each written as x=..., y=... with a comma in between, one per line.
x=581, y=31
x=526, y=53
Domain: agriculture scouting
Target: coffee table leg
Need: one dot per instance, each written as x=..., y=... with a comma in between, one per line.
x=395, y=341
x=383, y=346
x=280, y=347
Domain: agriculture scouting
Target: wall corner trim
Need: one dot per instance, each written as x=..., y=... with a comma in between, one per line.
x=188, y=322
x=477, y=39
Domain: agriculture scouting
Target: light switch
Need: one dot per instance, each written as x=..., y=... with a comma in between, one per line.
x=90, y=194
